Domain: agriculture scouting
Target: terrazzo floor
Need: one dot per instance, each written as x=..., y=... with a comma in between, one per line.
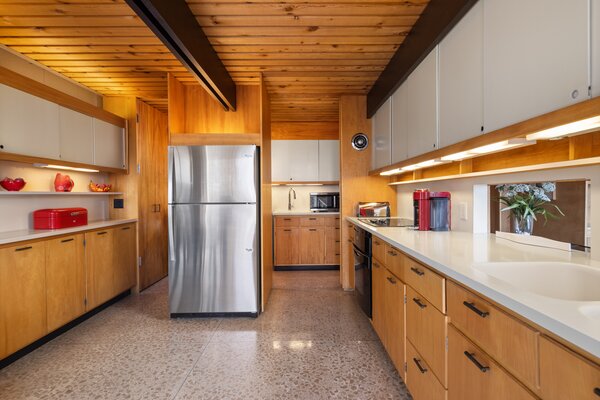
x=312, y=342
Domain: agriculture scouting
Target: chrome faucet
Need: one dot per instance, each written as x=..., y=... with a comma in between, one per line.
x=290, y=198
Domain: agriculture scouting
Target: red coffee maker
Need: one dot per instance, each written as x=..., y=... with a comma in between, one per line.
x=421, y=202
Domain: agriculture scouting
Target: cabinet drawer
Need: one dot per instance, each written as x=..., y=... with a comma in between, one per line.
x=287, y=221
x=312, y=221
x=429, y=284
x=566, y=375
x=393, y=260
x=379, y=249
x=509, y=341
x=426, y=329
x=331, y=221
x=473, y=375
x=421, y=382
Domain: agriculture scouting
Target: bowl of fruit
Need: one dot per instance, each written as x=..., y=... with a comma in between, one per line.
x=100, y=187
x=13, y=185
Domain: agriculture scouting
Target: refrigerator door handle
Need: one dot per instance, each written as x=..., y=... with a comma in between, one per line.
x=171, y=239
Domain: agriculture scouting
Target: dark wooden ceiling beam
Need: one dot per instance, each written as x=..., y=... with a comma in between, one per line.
x=438, y=18
x=174, y=24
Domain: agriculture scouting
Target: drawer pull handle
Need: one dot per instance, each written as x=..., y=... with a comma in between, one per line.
x=417, y=271
x=391, y=280
x=337, y=241
x=471, y=357
x=287, y=219
x=312, y=230
x=349, y=240
x=102, y=233
x=67, y=240
x=377, y=243
x=471, y=306
x=418, y=363
x=597, y=391
x=337, y=254
x=418, y=302
x=24, y=248
x=376, y=265
x=312, y=219
x=126, y=228
x=392, y=253
x=287, y=230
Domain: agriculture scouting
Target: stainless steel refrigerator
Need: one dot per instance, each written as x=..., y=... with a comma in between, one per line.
x=214, y=235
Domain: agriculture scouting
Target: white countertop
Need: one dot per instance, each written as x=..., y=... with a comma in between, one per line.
x=454, y=253
x=31, y=234
x=303, y=213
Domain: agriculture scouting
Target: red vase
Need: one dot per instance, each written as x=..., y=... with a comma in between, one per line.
x=63, y=183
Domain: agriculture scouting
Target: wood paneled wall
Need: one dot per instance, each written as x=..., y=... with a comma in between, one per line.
x=192, y=110
x=293, y=130
x=266, y=196
x=355, y=183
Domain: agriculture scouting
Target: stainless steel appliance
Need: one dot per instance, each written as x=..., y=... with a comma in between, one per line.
x=388, y=222
x=324, y=202
x=373, y=209
x=439, y=219
x=214, y=231
x=362, y=249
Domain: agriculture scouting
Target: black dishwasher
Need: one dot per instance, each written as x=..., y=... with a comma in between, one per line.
x=362, y=268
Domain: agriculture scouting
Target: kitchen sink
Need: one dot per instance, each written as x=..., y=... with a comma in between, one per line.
x=558, y=280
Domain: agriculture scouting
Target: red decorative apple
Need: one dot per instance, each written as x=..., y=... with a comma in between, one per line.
x=12, y=185
x=63, y=183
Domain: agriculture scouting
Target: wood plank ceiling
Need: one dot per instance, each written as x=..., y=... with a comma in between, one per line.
x=310, y=51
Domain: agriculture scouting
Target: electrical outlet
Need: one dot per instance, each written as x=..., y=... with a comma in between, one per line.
x=462, y=211
x=118, y=203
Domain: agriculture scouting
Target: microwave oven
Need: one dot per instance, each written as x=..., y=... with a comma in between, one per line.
x=324, y=202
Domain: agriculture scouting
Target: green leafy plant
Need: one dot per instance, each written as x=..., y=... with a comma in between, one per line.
x=524, y=200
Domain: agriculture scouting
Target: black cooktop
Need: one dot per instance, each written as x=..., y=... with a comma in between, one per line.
x=388, y=222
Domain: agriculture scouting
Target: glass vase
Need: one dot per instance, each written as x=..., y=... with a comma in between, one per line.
x=522, y=225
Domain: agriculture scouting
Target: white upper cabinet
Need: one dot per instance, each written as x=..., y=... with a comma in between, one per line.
x=595, y=4
x=461, y=79
x=421, y=108
x=535, y=60
x=329, y=160
x=381, y=154
x=295, y=160
x=28, y=124
x=399, y=125
x=109, y=145
x=76, y=136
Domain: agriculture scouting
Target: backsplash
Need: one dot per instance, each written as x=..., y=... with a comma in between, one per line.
x=302, y=201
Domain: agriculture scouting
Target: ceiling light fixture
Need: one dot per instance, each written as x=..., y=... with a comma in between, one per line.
x=577, y=127
x=52, y=166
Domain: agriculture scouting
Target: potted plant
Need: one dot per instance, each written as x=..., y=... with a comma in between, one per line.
x=524, y=201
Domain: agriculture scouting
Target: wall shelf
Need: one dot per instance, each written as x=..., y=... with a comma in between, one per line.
x=59, y=193
x=304, y=183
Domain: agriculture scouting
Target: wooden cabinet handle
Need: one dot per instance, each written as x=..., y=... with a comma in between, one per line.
x=418, y=363
x=471, y=357
x=417, y=271
x=102, y=233
x=419, y=303
x=391, y=280
x=472, y=307
x=24, y=248
x=67, y=240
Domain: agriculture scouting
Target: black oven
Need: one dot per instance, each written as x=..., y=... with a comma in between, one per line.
x=362, y=269
x=325, y=201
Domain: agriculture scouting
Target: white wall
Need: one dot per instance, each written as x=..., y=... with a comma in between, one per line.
x=302, y=202
x=462, y=194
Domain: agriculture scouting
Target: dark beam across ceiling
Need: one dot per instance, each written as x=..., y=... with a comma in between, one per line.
x=174, y=24
x=438, y=18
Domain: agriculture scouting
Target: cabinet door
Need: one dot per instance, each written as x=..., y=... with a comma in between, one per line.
x=461, y=79
x=595, y=42
x=280, y=163
x=100, y=270
x=65, y=280
x=378, y=300
x=125, y=257
x=295, y=160
x=528, y=69
x=332, y=245
x=382, y=136
x=312, y=246
x=286, y=246
x=421, y=92
x=109, y=145
x=22, y=295
x=400, y=124
x=394, y=320
x=28, y=124
x=329, y=160
x=76, y=136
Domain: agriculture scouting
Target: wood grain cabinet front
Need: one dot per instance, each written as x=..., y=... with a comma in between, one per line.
x=378, y=300
x=287, y=249
x=312, y=245
x=124, y=266
x=473, y=375
x=65, y=280
x=429, y=284
x=379, y=249
x=332, y=245
x=394, y=260
x=421, y=382
x=307, y=240
x=22, y=296
x=100, y=267
x=393, y=293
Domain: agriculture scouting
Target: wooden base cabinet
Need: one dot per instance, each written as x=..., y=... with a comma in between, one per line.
x=125, y=242
x=22, y=296
x=421, y=382
x=378, y=299
x=287, y=249
x=312, y=245
x=306, y=240
x=100, y=267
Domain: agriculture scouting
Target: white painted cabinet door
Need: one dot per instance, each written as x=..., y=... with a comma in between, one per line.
x=76, y=136
x=535, y=60
x=595, y=29
x=295, y=160
x=280, y=163
x=381, y=153
x=28, y=124
x=461, y=79
x=399, y=125
x=329, y=160
x=421, y=91
x=109, y=145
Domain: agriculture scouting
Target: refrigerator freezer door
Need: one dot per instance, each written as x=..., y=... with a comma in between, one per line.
x=213, y=259
x=213, y=174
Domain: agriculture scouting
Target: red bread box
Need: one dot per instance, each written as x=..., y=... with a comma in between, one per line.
x=57, y=218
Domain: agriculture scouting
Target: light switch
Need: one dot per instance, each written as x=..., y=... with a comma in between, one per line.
x=462, y=211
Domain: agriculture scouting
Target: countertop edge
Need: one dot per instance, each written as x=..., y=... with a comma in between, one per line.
x=303, y=213
x=556, y=327
x=26, y=235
